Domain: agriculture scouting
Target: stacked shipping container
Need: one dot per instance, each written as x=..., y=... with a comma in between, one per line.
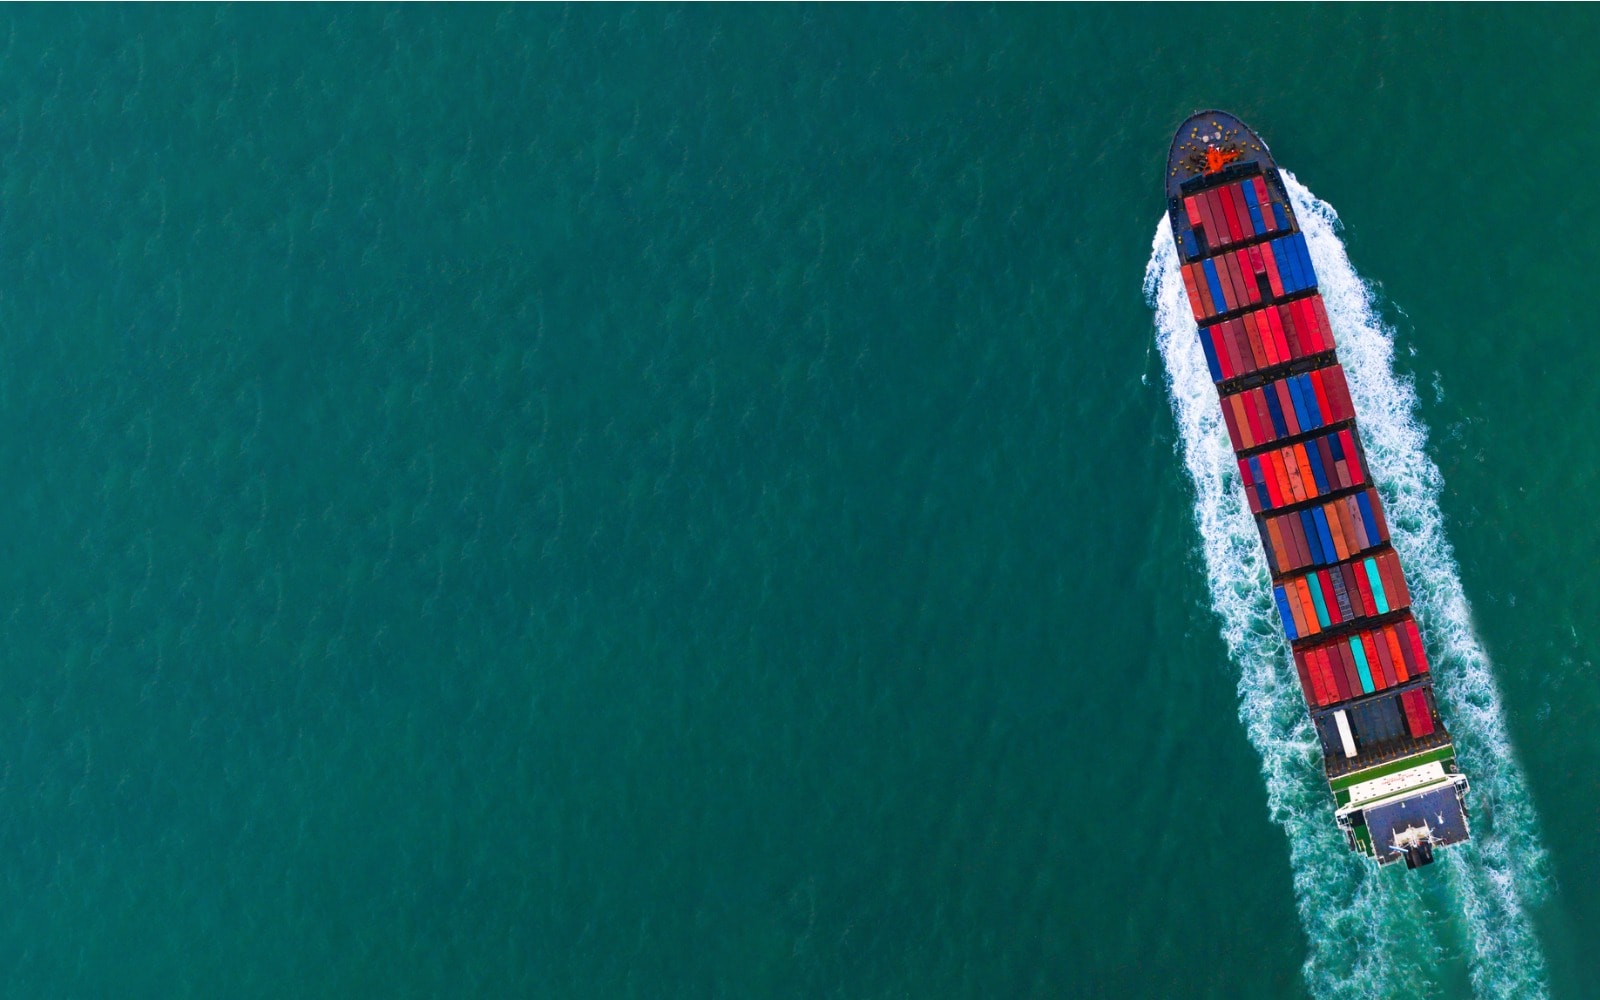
x=1337, y=583
x=1266, y=338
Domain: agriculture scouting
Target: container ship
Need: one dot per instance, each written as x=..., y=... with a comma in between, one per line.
x=1337, y=583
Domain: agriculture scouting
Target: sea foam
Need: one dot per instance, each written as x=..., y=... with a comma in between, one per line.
x=1371, y=932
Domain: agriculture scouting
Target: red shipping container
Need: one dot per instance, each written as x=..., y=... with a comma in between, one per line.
x=1219, y=347
x=1256, y=350
x=1239, y=353
x=1409, y=707
x=1326, y=401
x=1224, y=335
x=1296, y=329
x=1399, y=575
x=1352, y=590
x=1213, y=212
x=1231, y=419
x=1290, y=549
x=1319, y=315
x=1250, y=494
x=1306, y=687
x=1303, y=625
x=1382, y=648
x=1374, y=668
x=1231, y=347
x=1269, y=317
x=1240, y=210
x=1417, y=652
x=1406, y=652
x=1287, y=485
x=1259, y=435
x=1302, y=464
x=1339, y=390
x=1274, y=278
x=1258, y=264
x=1230, y=287
x=1325, y=454
x=1318, y=660
x=1268, y=354
x=1298, y=530
x=1386, y=577
x=1377, y=515
x=1346, y=672
x=1284, y=462
x=1324, y=405
x=1277, y=550
x=1396, y=657
x=1354, y=531
x=1342, y=542
x=1260, y=431
x=1265, y=201
x=1421, y=713
x=1280, y=392
x=1286, y=320
x=1322, y=317
x=1264, y=327
x=1365, y=583
x=1307, y=478
x=1224, y=235
x=1295, y=530
x=1270, y=480
x=1236, y=232
x=1252, y=287
x=1305, y=322
x=1218, y=233
x=1266, y=414
x=1324, y=586
x=1324, y=335
x=1240, y=283
x=1319, y=681
x=1213, y=307
x=1195, y=305
x=1192, y=210
x=1352, y=457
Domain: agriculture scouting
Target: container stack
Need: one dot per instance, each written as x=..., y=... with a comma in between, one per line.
x=1337, y=582
x=1338, y=586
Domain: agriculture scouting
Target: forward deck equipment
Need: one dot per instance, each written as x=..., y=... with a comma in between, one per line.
x=1337, y=582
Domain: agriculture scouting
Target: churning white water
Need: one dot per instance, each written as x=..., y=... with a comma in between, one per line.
x=1371, y=933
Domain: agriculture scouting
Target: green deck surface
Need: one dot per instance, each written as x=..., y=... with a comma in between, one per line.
x=1343, y=782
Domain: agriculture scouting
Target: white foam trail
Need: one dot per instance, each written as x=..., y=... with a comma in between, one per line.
x=1371, y=932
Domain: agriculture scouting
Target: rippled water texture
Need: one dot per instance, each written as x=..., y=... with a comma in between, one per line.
x=613, y=501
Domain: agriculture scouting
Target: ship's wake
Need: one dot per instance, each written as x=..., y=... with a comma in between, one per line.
x=1372, y=933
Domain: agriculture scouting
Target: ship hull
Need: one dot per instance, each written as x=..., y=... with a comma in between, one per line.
x=1337, y=583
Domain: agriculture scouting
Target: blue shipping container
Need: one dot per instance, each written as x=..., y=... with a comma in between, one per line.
x=1283, y=612
x=1210, y=350
x=1300, y=415
x=1218, y=300
x=1324, y=536
x=1313, y=538
x=1365, y=503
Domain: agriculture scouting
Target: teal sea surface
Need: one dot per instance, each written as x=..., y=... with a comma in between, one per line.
x=677, y=502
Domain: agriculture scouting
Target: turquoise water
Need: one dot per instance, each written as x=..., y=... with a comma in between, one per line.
x=679, y=502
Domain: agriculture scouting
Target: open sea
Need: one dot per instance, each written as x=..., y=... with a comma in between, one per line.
x=725, y=502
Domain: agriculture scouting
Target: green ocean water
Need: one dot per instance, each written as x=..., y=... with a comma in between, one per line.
x=684, y=502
